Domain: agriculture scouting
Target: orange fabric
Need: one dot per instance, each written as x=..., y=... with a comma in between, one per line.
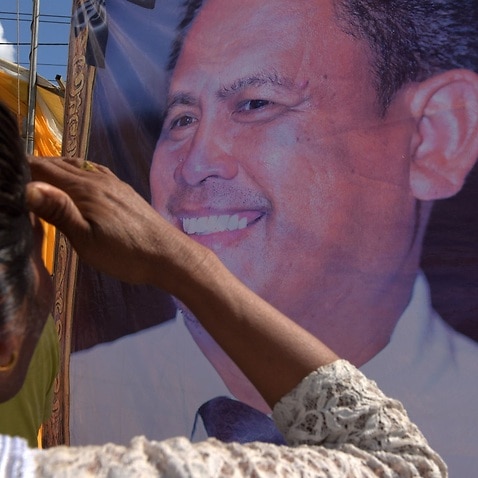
x=48, y=128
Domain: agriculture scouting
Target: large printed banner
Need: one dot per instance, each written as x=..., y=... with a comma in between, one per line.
x=307, y=151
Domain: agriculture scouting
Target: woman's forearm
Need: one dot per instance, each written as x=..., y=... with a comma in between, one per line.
x=271, y=350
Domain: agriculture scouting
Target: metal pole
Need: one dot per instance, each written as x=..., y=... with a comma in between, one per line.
x=32, y=80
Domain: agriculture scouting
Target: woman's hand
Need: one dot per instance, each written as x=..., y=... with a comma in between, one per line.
x=110, y=226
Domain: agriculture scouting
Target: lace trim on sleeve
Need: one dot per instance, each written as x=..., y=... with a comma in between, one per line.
x=337, y=407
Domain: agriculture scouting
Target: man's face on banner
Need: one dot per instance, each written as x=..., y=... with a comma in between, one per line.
x=274, y=155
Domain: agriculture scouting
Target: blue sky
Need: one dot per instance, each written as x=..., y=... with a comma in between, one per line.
x=54, y=29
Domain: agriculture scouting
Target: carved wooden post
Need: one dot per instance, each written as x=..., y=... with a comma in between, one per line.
x=75, y=140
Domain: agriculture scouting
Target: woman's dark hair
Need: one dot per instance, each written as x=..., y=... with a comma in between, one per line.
x=16, y=233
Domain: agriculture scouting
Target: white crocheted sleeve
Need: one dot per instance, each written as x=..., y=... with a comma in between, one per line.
x=338, y=425
x=349, y=419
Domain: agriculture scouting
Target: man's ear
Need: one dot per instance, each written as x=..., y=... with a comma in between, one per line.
x=445, y=144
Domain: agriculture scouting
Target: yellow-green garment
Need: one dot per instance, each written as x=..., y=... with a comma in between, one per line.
x=23, y=414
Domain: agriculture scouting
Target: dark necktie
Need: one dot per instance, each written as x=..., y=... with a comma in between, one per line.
x=229, y=420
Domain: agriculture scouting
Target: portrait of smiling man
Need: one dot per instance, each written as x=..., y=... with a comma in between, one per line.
x=276, y=156
x=281, y=153
x=305, y=144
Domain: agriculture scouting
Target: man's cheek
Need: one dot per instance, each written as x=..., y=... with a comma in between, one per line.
x=160, y=189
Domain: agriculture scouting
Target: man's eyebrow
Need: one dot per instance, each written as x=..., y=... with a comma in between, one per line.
x=256, y=80
x=181, y=98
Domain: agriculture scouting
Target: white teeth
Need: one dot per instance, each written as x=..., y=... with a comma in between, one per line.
x=211, y=224
x=221, y=224
x=201, y=225
x=233, y=223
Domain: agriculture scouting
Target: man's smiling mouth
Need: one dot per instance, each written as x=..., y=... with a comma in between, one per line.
x=211, y=224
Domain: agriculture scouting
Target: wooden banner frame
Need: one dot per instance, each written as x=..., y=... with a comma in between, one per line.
x=78, y=102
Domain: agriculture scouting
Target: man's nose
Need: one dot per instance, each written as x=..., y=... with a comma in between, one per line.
x=207, y=157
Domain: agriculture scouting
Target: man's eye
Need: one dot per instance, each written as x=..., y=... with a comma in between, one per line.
x=254, y=105
x=182, y=122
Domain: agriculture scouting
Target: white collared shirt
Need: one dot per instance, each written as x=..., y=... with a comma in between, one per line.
x=150, y=383
x=433, y=371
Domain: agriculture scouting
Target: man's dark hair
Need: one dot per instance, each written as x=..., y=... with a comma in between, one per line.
x=410, y=40
x=16, y=234
x=191, y=7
